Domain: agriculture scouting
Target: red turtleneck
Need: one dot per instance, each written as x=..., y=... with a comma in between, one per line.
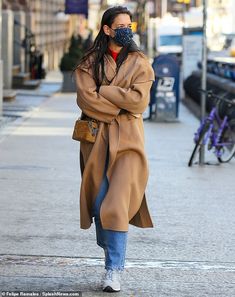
x=113, y=54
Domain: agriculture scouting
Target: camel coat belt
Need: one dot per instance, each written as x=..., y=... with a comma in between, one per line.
x=121, y=135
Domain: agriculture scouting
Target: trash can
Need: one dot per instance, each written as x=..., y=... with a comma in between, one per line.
x=165, y=90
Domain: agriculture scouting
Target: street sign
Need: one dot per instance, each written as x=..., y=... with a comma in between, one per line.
x=192, y=50
x=76, y=7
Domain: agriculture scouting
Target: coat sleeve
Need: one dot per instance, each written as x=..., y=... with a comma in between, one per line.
x=92, y=103
x=135, y=99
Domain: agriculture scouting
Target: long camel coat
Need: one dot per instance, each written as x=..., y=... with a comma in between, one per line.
x=119, y=135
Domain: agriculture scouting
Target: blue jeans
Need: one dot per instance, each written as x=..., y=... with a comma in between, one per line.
x=113, y=242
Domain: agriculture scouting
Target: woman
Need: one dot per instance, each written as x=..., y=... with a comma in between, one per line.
x=113, y=83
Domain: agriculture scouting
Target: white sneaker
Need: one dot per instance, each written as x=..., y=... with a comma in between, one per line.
x=111, y=282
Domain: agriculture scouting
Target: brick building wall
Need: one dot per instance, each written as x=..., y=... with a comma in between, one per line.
x=51, y=34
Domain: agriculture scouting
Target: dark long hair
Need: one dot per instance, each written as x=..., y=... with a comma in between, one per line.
x=100, y=46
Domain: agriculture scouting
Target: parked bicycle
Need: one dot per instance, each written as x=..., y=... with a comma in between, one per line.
x=217, y=130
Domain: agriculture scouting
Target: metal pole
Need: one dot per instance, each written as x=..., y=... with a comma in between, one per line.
x=0, y=29
x=1, y=65
x=163, y=8
x=204, y=76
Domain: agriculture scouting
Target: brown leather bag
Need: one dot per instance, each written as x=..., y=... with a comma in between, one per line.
x=85, y=130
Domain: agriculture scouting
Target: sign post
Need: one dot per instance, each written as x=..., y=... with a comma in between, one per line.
x=1, y=71
x=204, y=76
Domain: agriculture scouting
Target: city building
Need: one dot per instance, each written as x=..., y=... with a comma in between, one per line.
x=43, y=19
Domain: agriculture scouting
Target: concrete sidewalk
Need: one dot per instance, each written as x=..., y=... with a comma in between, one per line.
x=28, y=100
x=190, y=252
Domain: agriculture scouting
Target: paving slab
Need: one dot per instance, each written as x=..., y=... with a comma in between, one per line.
x=189, y=252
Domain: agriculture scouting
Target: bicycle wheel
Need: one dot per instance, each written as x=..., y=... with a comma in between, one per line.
x=228, y=138
x=198, y=144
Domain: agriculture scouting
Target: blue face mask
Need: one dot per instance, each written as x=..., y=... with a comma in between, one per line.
x=123, y=36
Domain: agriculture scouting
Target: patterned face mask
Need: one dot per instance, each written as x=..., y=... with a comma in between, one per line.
x=123, y=36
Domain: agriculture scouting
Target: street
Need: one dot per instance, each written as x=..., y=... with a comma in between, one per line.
x=189, y=252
